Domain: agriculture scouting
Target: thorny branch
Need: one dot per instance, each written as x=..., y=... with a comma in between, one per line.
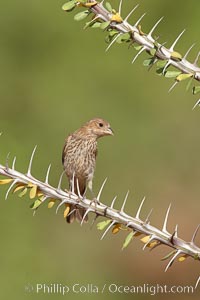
x=43, y=192
x=121, y=31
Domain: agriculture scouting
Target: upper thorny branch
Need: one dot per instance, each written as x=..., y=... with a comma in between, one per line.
x=120, y=31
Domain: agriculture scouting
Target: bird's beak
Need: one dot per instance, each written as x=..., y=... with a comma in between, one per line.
x=110, y=131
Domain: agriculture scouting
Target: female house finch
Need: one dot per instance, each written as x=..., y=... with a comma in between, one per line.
x=79, y=158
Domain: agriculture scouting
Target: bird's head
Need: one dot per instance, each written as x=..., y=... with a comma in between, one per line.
x=98, y=127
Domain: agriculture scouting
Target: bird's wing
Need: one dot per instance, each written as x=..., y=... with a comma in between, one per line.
x=67, y=142
x=96, y=152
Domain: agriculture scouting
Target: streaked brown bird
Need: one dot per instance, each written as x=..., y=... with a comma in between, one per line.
x=79, y=159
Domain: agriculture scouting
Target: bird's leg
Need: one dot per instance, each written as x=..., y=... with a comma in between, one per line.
x=80, y=197
x=94, y=200
x=70, y=190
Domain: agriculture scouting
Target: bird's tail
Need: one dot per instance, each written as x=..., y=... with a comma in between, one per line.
x=76, y=214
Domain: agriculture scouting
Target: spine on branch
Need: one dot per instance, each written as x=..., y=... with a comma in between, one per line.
x=119, y=30
x=115, y=220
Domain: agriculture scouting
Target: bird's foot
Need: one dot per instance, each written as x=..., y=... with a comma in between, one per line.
x=72, y=194
x=69, y=192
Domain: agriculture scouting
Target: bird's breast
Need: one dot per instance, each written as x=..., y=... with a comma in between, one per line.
x=80, y=157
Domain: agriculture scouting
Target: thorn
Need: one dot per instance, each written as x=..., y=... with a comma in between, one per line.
x=128, y=224
x=149, y=241
x=10, y=188
x=123, y=205
x=139, y=209
x=60, y=181
x=176, y=231
x=102, y=1
x=30, y=163
x=107, y=229
x=164, y=229
x=113, y=41
x=166, y=66
x=7, y=159
x=85, y=214
x=88, y=24
x=128, y=16
x=196, y=104
x=148, y=216
x=120, y=6
x=196, y=60
x=154, y=27
x=172, y=260
x=47, y=175
x=59, y=205
x=176, y=40
x=13, y=164
x=186, y=54
x=195, y=234
x=78, y=189
x=173, y=86
x=139, y=52
x=71, y=212
x=113, y=202
x=100, y=191
x=138, y=21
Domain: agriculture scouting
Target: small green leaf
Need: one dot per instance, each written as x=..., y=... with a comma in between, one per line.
x=69, y=6
x=196, y=90
x=108, y=6
x=104, y=25
x=184, y=76
x=96, y=25
x=160, y=71
x=153, y=51
x=172, y=74
x=102, y=225
x=189, y=84
x=113, y=32
x=23, y=192
x=110, y=36
x=138, y=47
x=125, y=37
x=36, y=204
x=108, y=39
x=128, y=239
x=81, y=15
x=148, y=62
x=161, y=63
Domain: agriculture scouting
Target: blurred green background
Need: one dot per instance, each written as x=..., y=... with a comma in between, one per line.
x=55, y=76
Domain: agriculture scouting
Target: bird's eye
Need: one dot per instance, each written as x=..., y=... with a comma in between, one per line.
x=100, y=124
